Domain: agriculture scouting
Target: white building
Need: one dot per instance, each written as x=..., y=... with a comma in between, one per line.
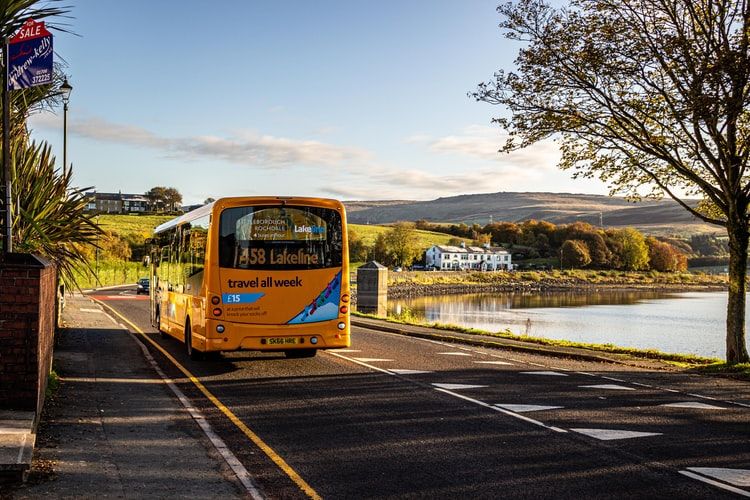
x=484, y=258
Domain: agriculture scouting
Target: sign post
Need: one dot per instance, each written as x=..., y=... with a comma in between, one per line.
x=27, y=61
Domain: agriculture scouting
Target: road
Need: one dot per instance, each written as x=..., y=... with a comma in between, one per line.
x=396, y=417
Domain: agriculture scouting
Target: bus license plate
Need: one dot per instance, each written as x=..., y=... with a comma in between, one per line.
x=282, y=340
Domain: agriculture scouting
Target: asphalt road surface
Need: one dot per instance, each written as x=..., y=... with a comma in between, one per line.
x=397, y=417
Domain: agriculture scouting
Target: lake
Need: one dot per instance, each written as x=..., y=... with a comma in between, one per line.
x=687, y=323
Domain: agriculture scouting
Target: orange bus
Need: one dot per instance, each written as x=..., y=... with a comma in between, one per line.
x=253, y=273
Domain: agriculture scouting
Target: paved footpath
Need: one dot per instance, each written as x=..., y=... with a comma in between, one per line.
x=114, y=429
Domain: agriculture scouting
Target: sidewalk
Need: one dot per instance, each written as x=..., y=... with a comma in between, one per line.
x=113, y=429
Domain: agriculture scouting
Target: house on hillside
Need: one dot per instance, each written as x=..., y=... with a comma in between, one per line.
x=485, y=258
x=116, y=203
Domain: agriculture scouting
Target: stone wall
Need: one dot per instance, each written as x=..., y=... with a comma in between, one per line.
x=27, y=328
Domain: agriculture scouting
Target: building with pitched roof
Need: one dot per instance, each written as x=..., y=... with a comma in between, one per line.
x=451, y=258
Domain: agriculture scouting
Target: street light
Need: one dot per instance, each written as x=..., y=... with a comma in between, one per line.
x=65, y=89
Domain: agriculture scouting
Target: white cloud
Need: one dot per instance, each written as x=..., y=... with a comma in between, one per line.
x=245, y=148
x=484, y=143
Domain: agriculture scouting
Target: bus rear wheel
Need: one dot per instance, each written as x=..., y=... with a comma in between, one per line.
x=301, y=353
x=158, y=324
x=193, y=353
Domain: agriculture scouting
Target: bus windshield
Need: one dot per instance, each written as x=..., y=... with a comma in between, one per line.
x=280, y=238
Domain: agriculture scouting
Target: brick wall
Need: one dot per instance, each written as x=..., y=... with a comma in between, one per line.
x=27, y=328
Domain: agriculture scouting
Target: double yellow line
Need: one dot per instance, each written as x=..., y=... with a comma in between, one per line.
x=270, y=453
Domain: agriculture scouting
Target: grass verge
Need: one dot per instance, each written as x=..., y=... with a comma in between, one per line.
x=696, y=364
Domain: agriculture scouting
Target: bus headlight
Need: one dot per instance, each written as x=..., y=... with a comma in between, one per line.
x=314, y=340
x=342, y=326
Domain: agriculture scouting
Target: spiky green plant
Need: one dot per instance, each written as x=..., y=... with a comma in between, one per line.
x=49, y=215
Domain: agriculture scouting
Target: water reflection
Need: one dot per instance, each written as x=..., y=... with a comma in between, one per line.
x=690, y=323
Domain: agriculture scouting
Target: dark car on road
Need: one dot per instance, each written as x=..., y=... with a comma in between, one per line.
x=143, y=286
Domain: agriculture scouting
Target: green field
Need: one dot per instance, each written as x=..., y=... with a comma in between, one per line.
x=368, y=234
x=131, y=227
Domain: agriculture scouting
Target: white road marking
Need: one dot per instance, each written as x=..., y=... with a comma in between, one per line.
x=613, y=379
x=715, y=483
x=694, y=404
x=348, y=350
x=527, y=408
x=455, y=395
x=492, y=363
x=451, y=387
x=736, y=477
x=612, y=434
x=611, y=387
x=87, y=310
x=372, y=360
x=401, y=371
x=546, y=374
x=501, y=410
x=454, y=354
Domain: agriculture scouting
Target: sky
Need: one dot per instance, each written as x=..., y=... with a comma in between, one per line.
x=342, y=99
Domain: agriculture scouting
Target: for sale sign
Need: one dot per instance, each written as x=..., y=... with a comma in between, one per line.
x=30, y=56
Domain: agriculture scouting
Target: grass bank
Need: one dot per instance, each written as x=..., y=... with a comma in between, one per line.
x=565, y=278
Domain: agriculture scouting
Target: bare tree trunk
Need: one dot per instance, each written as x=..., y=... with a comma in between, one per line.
x=738, y=243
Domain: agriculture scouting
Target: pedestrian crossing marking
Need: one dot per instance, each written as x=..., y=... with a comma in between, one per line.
x=694, y=404
x=452, y=387
x=526, y=408
x=735, y=477
x=613, y=434
x=612, y=387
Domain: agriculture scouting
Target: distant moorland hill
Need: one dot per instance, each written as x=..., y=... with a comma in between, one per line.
x=654, y=217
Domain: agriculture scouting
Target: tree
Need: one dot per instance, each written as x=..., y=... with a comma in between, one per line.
x=357, y=248
x=155, y=196
x=380, y=251
x=574, y=253
x=164, y=198
x=651, y=96
x=50, y=216
x=402, y=243
x=631, y=249
x=663, y=257
x=172, y=199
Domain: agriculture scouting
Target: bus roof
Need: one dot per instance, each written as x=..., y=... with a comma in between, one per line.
x=249, y=200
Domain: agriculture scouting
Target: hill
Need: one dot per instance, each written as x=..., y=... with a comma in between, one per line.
x=653, y=217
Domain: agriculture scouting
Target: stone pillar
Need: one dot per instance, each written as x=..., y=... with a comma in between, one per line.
x=372, y=289
x=27, y=326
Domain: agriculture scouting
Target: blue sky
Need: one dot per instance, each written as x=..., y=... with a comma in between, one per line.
x=344, y=99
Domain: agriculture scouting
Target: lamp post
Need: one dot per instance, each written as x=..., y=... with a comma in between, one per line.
x=65, y=88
